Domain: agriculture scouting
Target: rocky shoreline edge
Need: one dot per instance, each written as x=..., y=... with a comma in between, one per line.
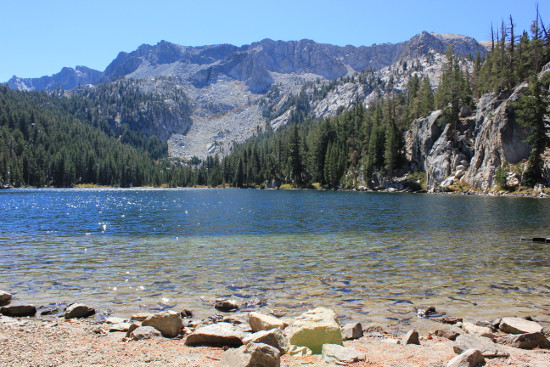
x=232, y=339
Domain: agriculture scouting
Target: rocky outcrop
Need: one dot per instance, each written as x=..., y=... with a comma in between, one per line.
x=471, y=150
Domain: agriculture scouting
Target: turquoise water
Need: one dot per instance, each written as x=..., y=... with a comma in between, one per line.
x=370, y=256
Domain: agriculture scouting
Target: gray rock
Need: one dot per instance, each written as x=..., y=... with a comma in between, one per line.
x=114, y=320
x=484, y=345
x=251, y=355
x=133, y=326
x=470, y=328
x=144, y=332
x=516, y=325
x=5, y=298
x=18, y=310
x=411, y=338
x=525, y=341
x=259, y=321
x=273, y=337
x=226, y=305
x=221, y=334
x=169, y=323
x=78, y=310
x=352, y=331
x=339, y=354
x=121, y=326
x=450, y=333
x=469, y=358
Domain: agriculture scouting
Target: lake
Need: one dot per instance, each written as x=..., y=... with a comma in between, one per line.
x=372, y=257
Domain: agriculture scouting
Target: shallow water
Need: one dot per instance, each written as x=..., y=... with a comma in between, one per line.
x=372, y=257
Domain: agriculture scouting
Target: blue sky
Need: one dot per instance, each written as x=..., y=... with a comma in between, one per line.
x=40, y=37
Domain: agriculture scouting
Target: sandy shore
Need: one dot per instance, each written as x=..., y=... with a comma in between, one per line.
x=33, y=342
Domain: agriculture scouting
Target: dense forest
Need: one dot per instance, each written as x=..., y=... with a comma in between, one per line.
x=103, y=135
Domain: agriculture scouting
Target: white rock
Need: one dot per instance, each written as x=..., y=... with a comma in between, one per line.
x=222, y=333
x=469, y=358
x=251, y=355
x=273, y=337
x=516, y=325
x=338, y=353
x=259, y=321
x=470, y=328
x=144, y=332
x=169, y=323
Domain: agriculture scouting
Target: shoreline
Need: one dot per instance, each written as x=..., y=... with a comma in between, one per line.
x=34, y=341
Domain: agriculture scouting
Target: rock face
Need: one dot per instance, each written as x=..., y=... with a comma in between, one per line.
x=251, y=355
x=5, y=298
x=78, y=310
x=516, y=325
x=259, y=321
x=314, y=328
x=18, y=310
x=471, y=150
x=67, y=78
x=169, y=323
x=222, y=334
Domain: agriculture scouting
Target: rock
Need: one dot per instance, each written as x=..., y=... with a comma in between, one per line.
x=525, y=341
x=144, y=332
x=169, y=323
x=5, y=298
x=78, y=310
x=450, y=333
x=18, y=310
x=484, y=345
x=411, y=338
x=185, y=313
x=221, y=334
x=469, y=358
x=339, y=354
x=121, y=326
x=226, y=305
x=251, y=355
x=295, y=350
x=425, y=312
x=470, y=328
x=259, y=321
x=314, y=328
x=140, y=316
x=236, y=319
x=352, y=331
x=133, y=326
x=448, y=320
x=114, y=320
x=516, y=325
x=273, y=337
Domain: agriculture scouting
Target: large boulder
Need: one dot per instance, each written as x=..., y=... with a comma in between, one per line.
x=78, y=310
x=220, y=334
x=251, y=355
x=339, y=354
x=314, y=328
x=516, y=325
x=259, y=321
x=273, y=337
x=5, y=298
x=169, y=323
x=18, y=310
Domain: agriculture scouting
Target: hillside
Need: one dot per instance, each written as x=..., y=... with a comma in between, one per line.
x=226, y=85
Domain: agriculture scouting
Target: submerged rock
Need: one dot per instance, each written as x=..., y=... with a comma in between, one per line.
x=314, y=328
x=251, y=355
x=79, y=310
x=226, y=305
x=169, y=323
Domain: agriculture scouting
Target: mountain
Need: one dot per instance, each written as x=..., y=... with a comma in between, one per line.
x=227, y=86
